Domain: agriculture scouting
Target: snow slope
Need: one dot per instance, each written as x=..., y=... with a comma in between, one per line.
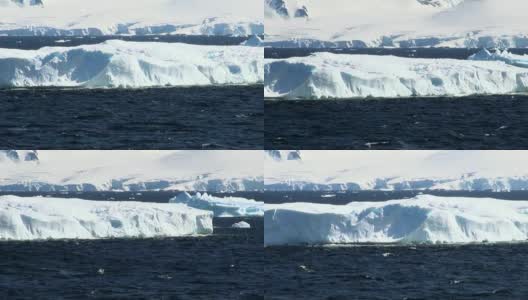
x=404, y=23
x=422, y=219
x=221, y=207
x=214, y=171
x=38, y=218
x=131, y=64
x=327, y=75
x=400, y=170
x=138, y=17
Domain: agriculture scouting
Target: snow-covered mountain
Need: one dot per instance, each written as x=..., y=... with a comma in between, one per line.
x=285, y=9
x=441, y=3
x=211, y=171
x=403, y=23
x=28, y=2
x=124, y=17
x=17, y=156
x=400, y=170
x=280, y=155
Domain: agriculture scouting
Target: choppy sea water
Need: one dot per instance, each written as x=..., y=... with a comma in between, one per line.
x=399, y=272
x=345, y=197
x=454, y=53
x=485, y=271
x=36, y=42
x=232, y=263
x=474, y=122
x=225, y=265
x=218, y=117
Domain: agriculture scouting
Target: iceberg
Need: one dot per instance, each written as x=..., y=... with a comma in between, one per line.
x=221, y=207
x=241, y=225
x=36, y=218
x=504, y=56
x=131, y=64
x=423, y=219
x=326, y=75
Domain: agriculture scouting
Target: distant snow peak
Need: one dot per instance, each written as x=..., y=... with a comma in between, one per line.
x=441, y=3
x=19, y=155
x=28, y=2
x=281, y=155
x=301, y=12
x=279, y=7
x=283, y=9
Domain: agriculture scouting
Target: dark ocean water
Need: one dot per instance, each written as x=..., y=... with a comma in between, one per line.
x=454, y=53
x=341, y=198
x=374, y=272
x=225, y=265
x=36, y=42
x=232, y=263
x=228, y=117
x=486, y=271
x=474, y=122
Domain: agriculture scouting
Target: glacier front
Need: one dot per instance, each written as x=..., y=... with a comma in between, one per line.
x=326, y=75
x=221, y=207
x=423, y=219
x=36, y=218
x=118, y=63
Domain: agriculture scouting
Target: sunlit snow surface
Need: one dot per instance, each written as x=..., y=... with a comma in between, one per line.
x=326, y=75
x=221, y=207
x=422, y=219
x=213, y=171
x=56, y=218
x=131, y=64
x=399, y=170
x=403, y=23
x=138, y=17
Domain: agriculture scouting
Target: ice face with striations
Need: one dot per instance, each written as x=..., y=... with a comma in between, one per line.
x=327, y=75
x=221, y=207
x=131, y=64
x=422, y=219
x=37, y=218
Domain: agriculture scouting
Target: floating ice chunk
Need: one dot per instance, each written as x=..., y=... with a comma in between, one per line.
x=327, y=75
x=504, y=56
x=422, y=219
x=241, y=224
x=57, y=218
x=221, y=207
x=131, y=64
